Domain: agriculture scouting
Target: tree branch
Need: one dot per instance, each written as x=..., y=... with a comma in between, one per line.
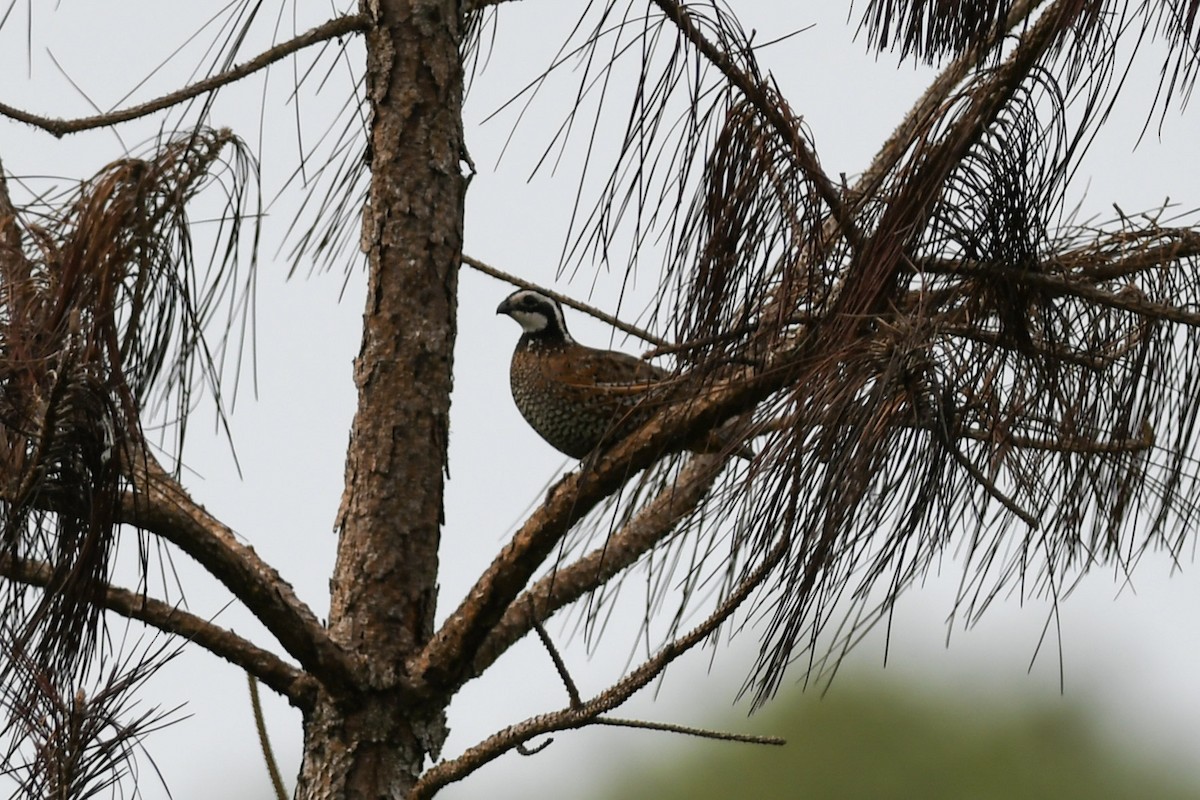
x=591, y=311
x=266, y=666
x=774, y=111
x=264, y=741
x=1133, y=302
x=560, y=665
x=14, y=266
x=161, y=506
x=339, y=26
x=1108, y=258
x=865, y=286
x=587, y=713
x=10, y=232
x=649, y=526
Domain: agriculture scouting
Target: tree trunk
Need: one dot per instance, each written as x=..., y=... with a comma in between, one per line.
x=371, y=739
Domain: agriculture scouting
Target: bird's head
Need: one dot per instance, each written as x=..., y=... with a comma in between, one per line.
x=537, y=314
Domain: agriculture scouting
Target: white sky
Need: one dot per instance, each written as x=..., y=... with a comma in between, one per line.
x=1132, y=654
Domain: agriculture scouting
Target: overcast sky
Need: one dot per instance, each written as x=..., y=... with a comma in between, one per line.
x=1131, y=650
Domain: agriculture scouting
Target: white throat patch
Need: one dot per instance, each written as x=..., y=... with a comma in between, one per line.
x=530, y=321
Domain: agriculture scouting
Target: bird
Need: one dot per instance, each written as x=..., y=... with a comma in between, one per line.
x=578, y=397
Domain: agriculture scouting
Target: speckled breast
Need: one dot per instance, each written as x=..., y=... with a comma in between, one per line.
x=569, y=417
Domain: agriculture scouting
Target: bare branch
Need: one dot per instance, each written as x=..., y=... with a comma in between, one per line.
x=688, y=730
x=525, y=750
x=1066, y=444
x=264, y=741
x=588, y=713
x=10, y=231
x=1060, y=284
x=339, y=26
x=990, y=486
x=269, y=668
x=561, y=666
x=565, y=585
x=13, y=263
x=591, y=311
x=1179, y=244
x=161, y=506
x=1072, y=445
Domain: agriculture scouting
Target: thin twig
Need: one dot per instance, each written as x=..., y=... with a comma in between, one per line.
x=990, y=486
x=559, y=664
x=666, y=727
x=260, y=724
x=704, y=341
x=526, y=750
x=662, y=346
x=339, y=26
x=591, y=311
x=687, y=730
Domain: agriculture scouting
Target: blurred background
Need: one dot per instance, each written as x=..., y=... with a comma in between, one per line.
x=1095, y=696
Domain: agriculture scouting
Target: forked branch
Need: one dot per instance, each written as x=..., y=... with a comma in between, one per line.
x=651, y=525
x=266, y=666
x=589, y=712
x=161, y=506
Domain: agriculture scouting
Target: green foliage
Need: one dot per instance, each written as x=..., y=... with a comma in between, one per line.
x=870, y=742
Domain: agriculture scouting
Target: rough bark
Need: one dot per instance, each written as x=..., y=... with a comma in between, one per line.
x=373, y=740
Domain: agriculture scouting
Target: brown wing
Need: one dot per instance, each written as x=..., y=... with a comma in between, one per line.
x=612, y=372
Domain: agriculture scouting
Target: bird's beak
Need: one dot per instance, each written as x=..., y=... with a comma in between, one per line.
x=504, y=307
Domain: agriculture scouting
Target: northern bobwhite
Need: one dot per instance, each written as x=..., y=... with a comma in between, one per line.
x=575, y=396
